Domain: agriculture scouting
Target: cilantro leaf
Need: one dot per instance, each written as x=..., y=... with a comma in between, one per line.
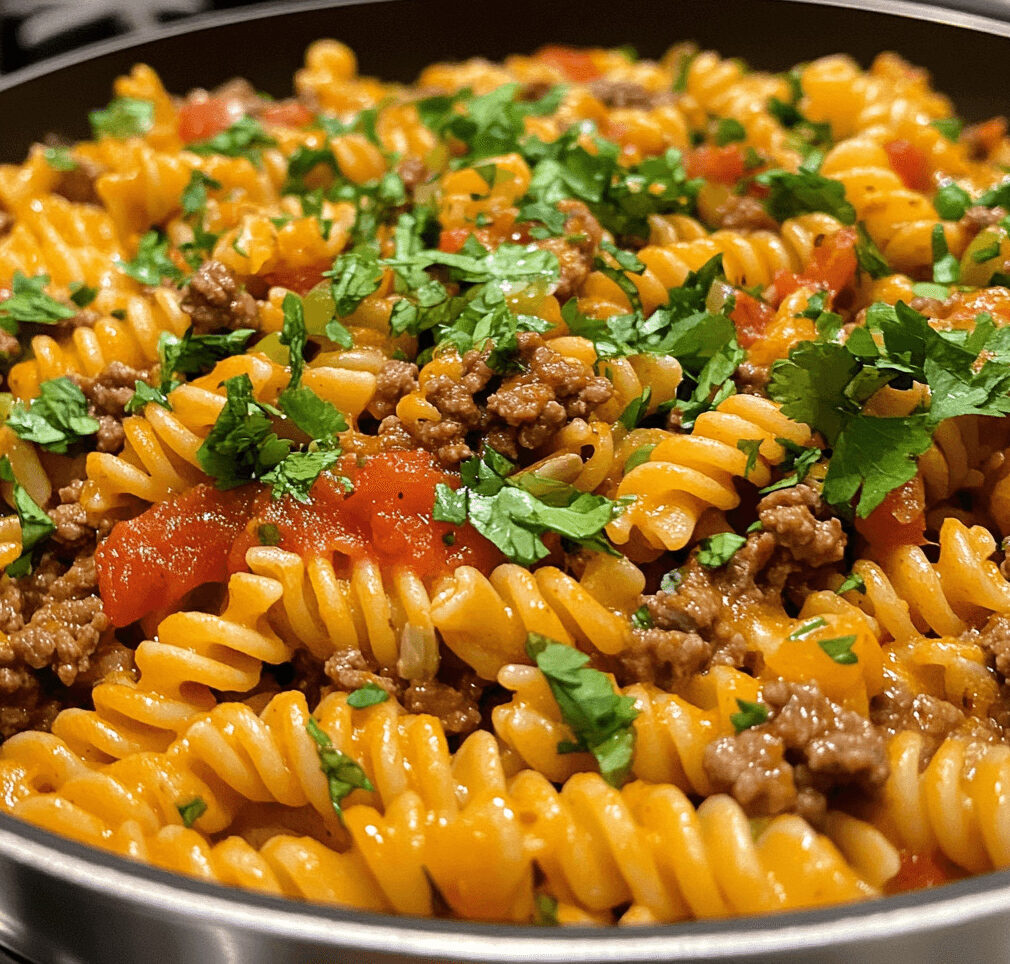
x=56, y=419
x=144, y=394
x=343, y=774
x=946, y=268
x=545, y=913
x=804, y=192
x=869, y=256
x=715, y=551
x=853, y=581
x=241, y=445
x=316, y=417
x=514, y=512
x=950, y=127
x=600, y=719
x=751, y=714
x=639, y=457
x=370, y=694
x=641, y=618
x=750, y=446
x=297, y=472
x=29, y=303
x=152, y=262
x=872, y=456
x=840, y=649
x=294, y=335
x=192, y=811
x=728, y=130
x=245, y=138
x=636, y=409
x=796, y=466
x=124, y=117
x=59, y=158
x=36, y=526
x=81, y=294
x=194, y=194
x=197, y=354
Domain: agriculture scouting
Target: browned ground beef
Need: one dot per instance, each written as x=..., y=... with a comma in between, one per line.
x=751, y=379
x=413, y=172
x=801, y=525
x=395, y=379
x=350, y=669
x=215, y=299
x=742, y=213
x=78, y=185
x=107, y=394
x=664, y=657
x=624, y=93
x=10, y=347
x=54, y=622
x=808, y=748
x=456, y=708
x=896, y=709
x=979, y=217
x=575, y=249
x=995, y=641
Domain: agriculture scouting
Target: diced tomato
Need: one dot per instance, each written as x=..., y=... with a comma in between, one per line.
x=724, y=165
x=577, y=65
x=200, y=119
x=751, y=317
x=783, y=284
x=286, y=113
x=152, y=561
x=299, y=280
x=919, y=871
x=910, y=163
x=149, y=563
x=452, y=240
x=899, y=520
x=833, y=263
x=387, y=517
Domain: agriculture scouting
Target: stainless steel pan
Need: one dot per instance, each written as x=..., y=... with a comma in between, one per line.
x=61, y=902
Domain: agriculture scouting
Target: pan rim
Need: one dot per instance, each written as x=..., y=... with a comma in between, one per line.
x=837, y=927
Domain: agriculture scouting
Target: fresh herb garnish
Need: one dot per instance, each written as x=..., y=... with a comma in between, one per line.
x=840, y=649
x=791, y=195
x=371, y=694
x=514, y=511
x=152, y=262
x=245, y=138
x=853, y=581
x=600, y=719
x=56, y=419
x=343, y=774
x=36, y=526
x=124, y=117
x=751, y=714
x=30, y=304
x=715, y=551
x=192, y=811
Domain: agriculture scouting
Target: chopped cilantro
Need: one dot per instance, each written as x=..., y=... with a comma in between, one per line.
x=192, y=811
x=750, y=446
x=950, y=127
x=797, y=464
x=59, y=158
x=545, y=911
x=852, y=582
x=600, y=719
x=946, y=268
x=194, y=194
x=294, y=335
x=751, y=714
x=840, y=649
x=808, y=627
x=368, y=695
x=868, y=255
x=82, y=295
x=56, y=419
x=715, y=551
x=152, y=262
x=514, y=512
x=316, y=417
x=641, y=618
x=791, y=195
x=728, y=130
x=124, y=117
x=986, y=253
x=245, y=138
x=638, y=457
x=297, y=472
x=197, y=354
x=36, y=526
x=636, y=409
x=343, y=774
x=29, y=303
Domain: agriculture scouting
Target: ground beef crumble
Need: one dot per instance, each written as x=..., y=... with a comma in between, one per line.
x=808, y=748
x=575, y=249
x=524, y=411
x=801, y=525
x=107, y=394
x=215, y=299
x=394, y=380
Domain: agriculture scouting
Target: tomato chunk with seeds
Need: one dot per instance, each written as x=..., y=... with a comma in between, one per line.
x=152, y=561
x=910, y=163
x=900, y=520
x=725, y=165
x=751, y=318
x=202, y=119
